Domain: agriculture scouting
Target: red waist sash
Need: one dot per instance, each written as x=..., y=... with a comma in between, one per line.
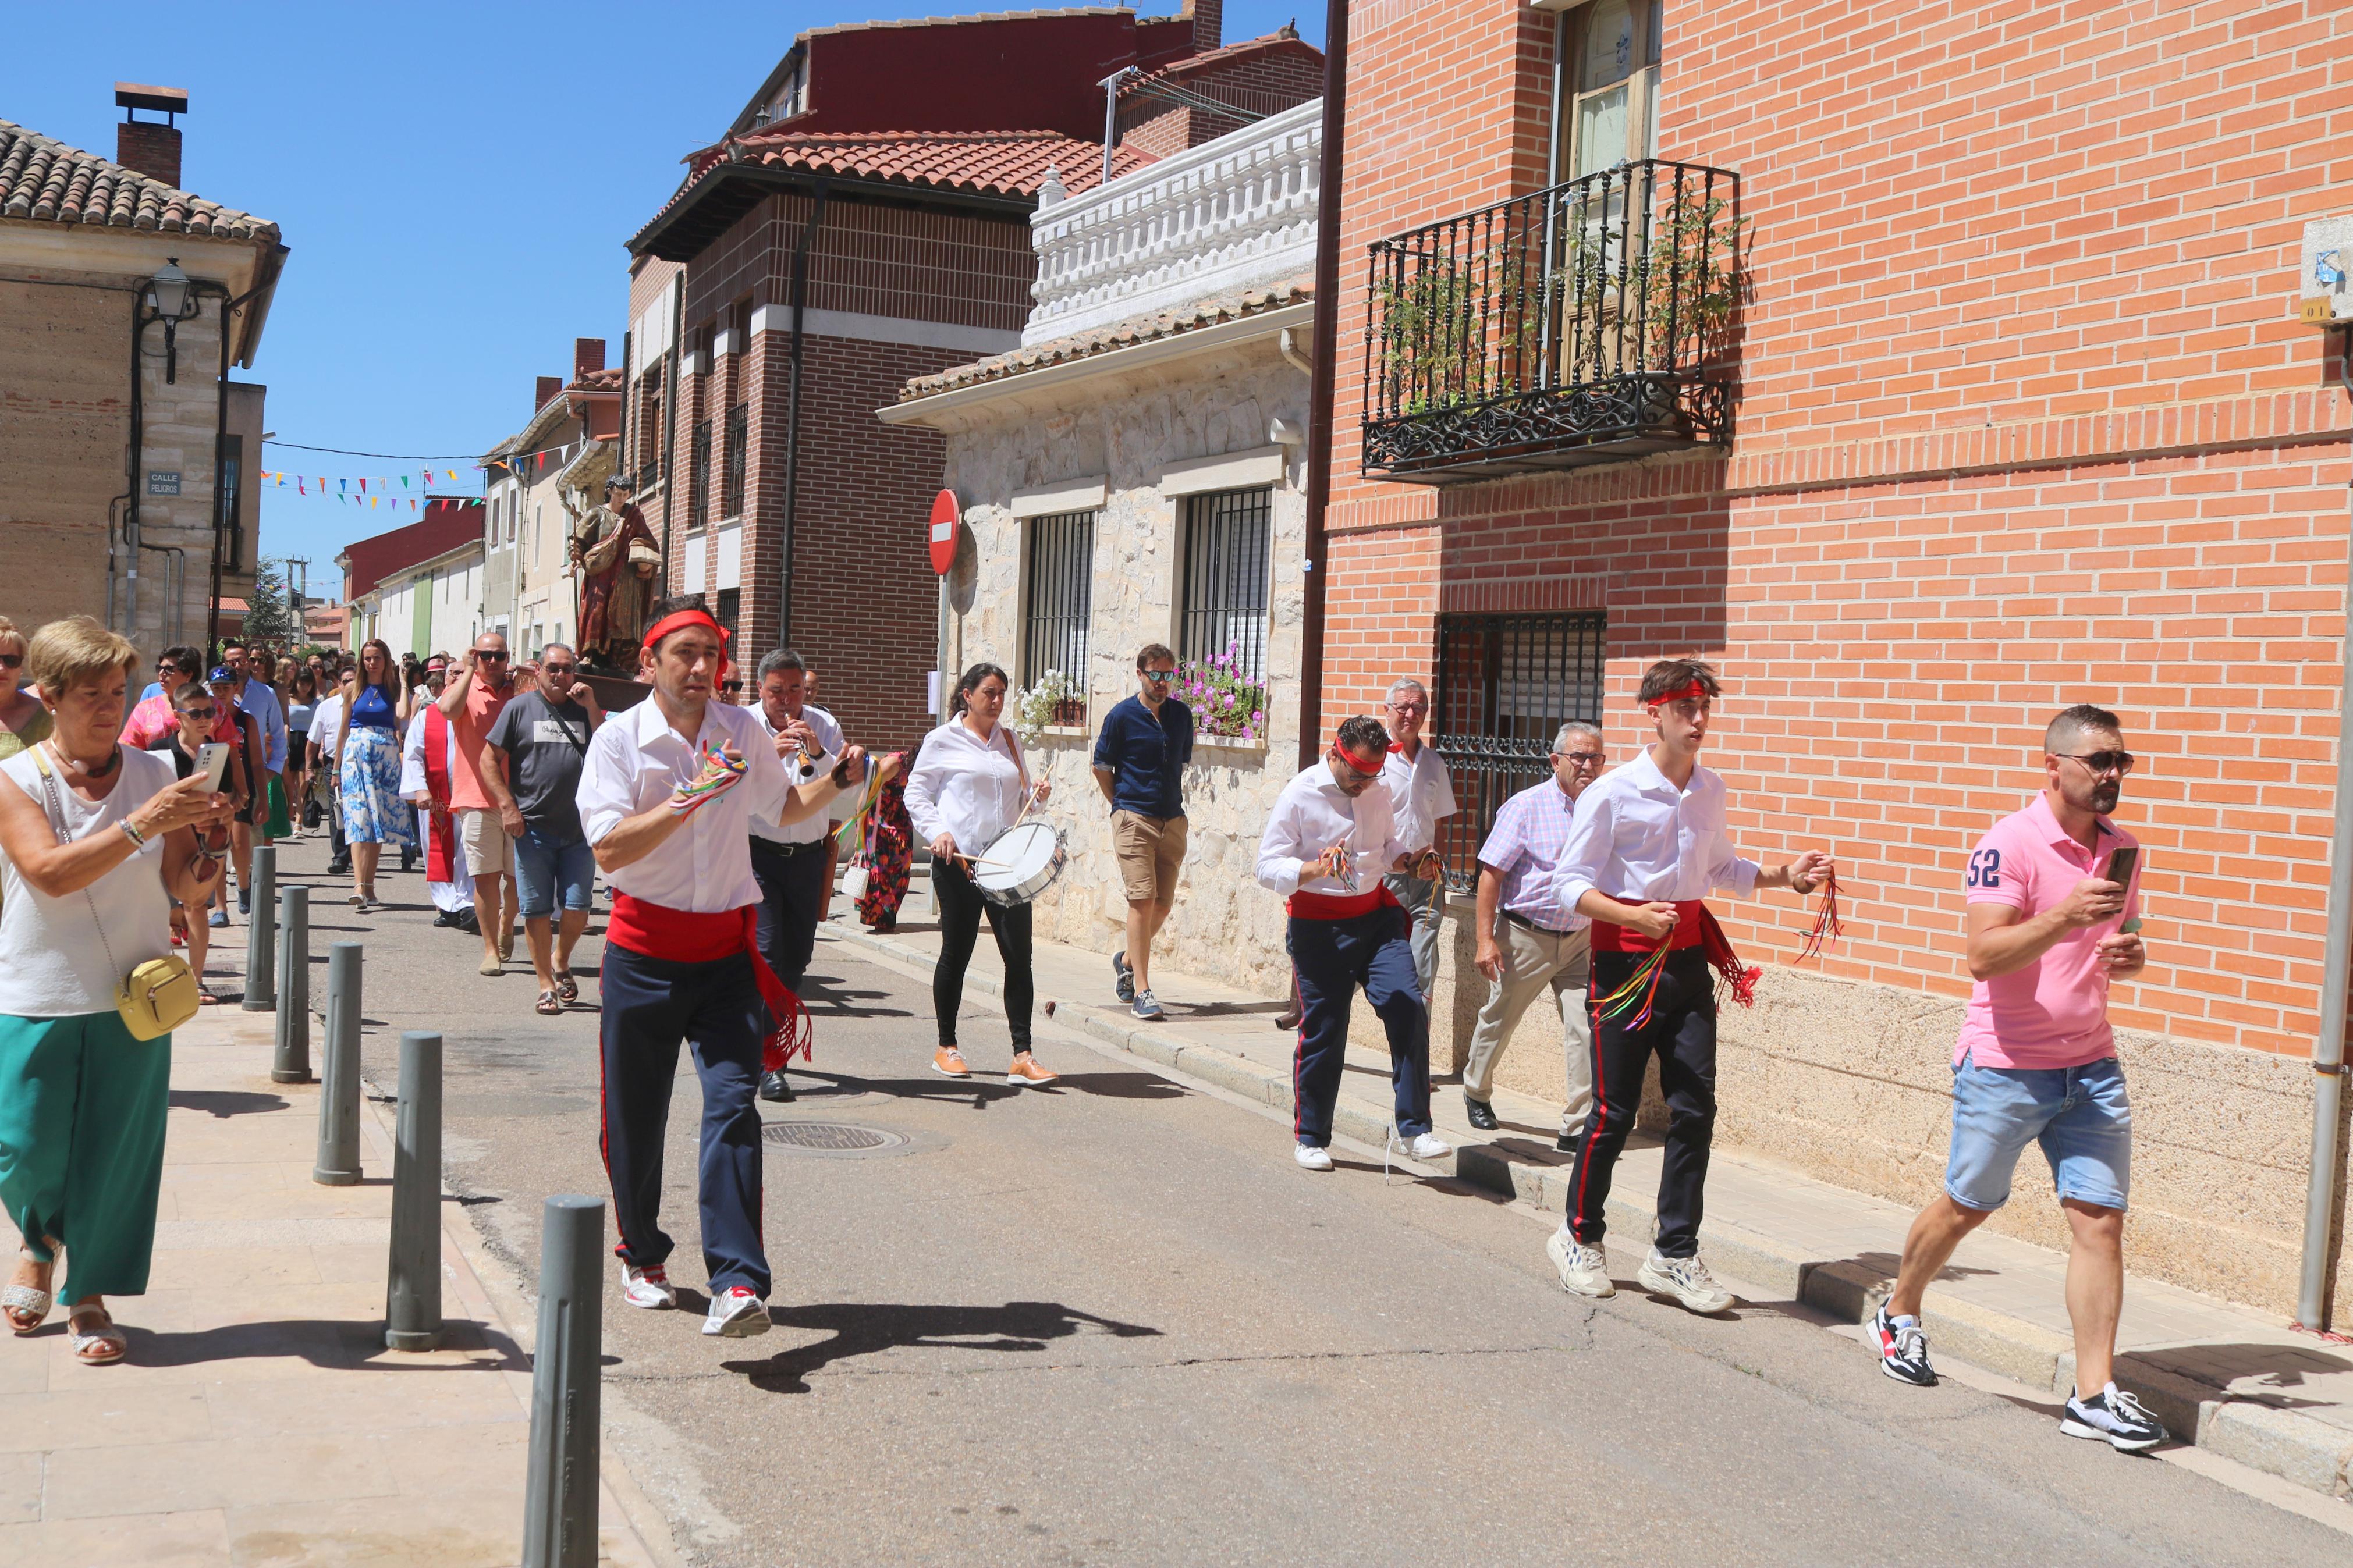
x=1695, y=926
x=688, y=936
x=1340, y=906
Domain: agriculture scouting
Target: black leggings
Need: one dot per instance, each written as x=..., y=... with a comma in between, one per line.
x=961, y=907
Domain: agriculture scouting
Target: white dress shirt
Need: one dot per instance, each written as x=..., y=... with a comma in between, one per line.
x=810, y=828
x=1638, y=839
x=964, y=786
x=636, y=760
x=1313, y=813
x=1420, y=795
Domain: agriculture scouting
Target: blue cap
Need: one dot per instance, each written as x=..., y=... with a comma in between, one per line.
x=220, y=672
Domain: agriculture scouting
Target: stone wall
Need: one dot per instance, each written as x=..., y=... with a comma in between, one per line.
x=1128, y=427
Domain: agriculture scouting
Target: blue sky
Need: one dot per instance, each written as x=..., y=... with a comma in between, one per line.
x=456, y=183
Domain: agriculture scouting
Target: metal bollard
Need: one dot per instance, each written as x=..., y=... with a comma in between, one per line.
x=559, y=1527
x=261, y=933
x=292, y=1062
x=412, y=1307
x=338, y=1164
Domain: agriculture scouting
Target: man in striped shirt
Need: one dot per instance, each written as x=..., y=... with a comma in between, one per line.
x=1527, y=939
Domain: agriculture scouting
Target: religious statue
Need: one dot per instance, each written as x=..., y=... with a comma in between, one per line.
x=618, y=559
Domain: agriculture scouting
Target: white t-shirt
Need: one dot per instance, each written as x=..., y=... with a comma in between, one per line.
x=1420, y=795
x=52, y=964
x=327, y=725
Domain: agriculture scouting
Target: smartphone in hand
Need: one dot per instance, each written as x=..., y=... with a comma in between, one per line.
x=2120, y=867
x=212, y=762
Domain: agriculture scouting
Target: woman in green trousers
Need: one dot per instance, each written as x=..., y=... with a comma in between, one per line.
x=93, y=853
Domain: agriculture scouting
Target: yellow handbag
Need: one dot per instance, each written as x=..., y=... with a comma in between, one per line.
x=160, y=995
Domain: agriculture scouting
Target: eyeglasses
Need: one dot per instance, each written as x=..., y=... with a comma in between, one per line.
x=1352, y=768
x=566, y=670
x=1402, y=709
x=197, y=713
x=1580, y=759
x=1159, y=677
x=2116, y=762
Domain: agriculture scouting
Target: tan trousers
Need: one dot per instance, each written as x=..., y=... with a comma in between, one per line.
x=1533, y=959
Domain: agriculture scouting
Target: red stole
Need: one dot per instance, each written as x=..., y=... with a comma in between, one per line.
x=685, y=936
x=442, y=841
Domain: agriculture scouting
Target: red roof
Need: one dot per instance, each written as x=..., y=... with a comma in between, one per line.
x=1284, y=40
x=449, y=522
x=982, y=162
x=43, y=179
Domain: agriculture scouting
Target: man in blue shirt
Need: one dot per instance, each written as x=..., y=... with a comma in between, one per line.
x=1139, y=761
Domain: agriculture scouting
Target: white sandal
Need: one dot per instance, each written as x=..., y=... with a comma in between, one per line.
x=24, y=1298
x=102, y=1346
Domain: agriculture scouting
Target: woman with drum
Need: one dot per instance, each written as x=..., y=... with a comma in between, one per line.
x=970, y=785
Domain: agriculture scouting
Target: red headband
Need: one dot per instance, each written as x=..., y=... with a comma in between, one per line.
x=677, y=622
x=1688, y=689
x=1360, y=763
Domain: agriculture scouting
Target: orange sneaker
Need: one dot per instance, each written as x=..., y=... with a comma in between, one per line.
x=1025, y=1070
x=948, y=1062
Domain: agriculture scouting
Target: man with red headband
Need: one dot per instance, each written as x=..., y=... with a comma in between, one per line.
x=1330, y=840
x=666, y=798
x=1647, y=843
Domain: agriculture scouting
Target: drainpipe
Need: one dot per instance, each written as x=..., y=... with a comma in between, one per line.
x=2329, y=1052
x=793, y=421
x=1324, y=349
x=670, y=477
x=229, y=307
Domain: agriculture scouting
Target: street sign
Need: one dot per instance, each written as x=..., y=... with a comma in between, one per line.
x=945, y=515
x=166, y=482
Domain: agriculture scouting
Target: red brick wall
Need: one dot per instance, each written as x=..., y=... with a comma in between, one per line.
x=2023, y=420
x=1265, y=82
x=970, y=270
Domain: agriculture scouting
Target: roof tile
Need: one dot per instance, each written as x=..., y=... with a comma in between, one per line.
x=45, y=181
x=984, y=162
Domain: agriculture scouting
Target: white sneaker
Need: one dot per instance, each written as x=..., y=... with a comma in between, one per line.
x=1686, y=1279
x=646, y=1287
x=1424, y=1146
x=1584, y=1270
x=736, y=1314
x=1311, y=1158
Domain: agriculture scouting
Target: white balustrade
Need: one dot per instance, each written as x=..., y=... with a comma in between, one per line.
x=1230, y=215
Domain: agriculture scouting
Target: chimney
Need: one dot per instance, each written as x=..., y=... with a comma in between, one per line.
x=587, y=358
x=546, y=388
x=1209, y=20
x=143, y=146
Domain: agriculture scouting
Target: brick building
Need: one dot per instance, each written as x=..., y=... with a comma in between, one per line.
x=1948, y=374
x=125, y=450
x=866, y=216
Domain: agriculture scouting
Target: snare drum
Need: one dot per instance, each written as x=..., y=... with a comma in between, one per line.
x=1020, y=863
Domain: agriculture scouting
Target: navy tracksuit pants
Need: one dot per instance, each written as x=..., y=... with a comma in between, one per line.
x=651, y=1004
x=1331, y=960
x=792, y=900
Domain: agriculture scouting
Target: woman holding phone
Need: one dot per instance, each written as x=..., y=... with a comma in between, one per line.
x=970, y=782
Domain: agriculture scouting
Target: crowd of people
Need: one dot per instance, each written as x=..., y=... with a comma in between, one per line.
x=716, y=827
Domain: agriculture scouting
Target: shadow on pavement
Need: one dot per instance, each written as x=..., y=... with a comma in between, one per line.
x=227, y=1102
x=863, y=1328
x=335, y=1345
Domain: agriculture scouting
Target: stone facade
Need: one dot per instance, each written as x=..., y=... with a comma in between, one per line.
x=1126, y=429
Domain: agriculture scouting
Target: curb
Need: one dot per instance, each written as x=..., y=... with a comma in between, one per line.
x=2310, y=1453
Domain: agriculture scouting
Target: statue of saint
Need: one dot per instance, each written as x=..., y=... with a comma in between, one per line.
x=617, y=558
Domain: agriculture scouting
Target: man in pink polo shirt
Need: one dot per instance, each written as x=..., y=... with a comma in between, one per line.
x=2049, y=930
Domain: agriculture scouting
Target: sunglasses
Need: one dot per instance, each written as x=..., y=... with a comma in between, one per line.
x=482, y=652
x=12, y=661
x=1159, y=677
x=566, y=670
x=2116, y=762
x=199, y=714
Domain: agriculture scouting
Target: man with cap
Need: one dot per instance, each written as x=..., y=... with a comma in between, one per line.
x=1328, y=843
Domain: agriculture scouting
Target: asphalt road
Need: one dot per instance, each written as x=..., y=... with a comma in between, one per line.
x=1109, y=1323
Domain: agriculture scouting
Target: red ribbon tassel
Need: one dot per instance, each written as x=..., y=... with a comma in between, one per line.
x=1827, y=929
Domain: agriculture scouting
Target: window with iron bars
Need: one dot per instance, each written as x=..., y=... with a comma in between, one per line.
x=1229, y=557
x=1506, y=686
x=698, y=495
x=1060, y=599
x=739, y=440
x=227, y=487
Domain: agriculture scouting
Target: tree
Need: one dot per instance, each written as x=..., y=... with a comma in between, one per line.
x=268, y=617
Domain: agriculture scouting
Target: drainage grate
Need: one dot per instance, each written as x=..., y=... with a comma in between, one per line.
x=827, y=1137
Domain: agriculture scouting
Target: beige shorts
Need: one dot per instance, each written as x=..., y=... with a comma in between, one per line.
x=488, y=851
x=1149, y=850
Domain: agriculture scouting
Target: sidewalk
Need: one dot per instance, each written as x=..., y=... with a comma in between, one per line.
x=2248, y=1387
x=260, y=1420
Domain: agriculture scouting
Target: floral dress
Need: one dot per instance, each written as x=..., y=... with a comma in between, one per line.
x=888, y=854
x=374, y=812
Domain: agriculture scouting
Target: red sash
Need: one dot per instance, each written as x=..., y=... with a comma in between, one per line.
x=442, y=839
x=684, y=936
x=1695, y=926
x=1340, y=906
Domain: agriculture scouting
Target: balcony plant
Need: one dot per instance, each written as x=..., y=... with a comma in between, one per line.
x=1228, y=702
x=1055, y=701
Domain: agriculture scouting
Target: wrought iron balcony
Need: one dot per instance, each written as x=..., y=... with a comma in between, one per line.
x=1589, y=322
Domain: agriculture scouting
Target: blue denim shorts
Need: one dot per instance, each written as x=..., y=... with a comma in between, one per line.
x=548, y=869
x=2079, y=1115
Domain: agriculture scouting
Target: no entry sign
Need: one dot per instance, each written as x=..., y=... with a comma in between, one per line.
x=945, y=515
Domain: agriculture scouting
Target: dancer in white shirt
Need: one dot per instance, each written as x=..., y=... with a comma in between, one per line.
x=1330, y=840
x=1646, y=846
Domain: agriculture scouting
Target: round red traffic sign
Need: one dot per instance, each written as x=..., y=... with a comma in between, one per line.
x=945, y=515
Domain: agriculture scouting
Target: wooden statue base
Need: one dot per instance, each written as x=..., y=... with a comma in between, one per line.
x=615, y=693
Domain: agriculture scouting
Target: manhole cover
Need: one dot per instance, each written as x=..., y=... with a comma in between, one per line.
x=829, y=1137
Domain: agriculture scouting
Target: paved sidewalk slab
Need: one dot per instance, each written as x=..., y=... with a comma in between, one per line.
x=260, y=1420
x=2246, y=1385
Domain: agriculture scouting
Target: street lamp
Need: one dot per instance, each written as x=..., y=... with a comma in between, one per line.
x=171, y=299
